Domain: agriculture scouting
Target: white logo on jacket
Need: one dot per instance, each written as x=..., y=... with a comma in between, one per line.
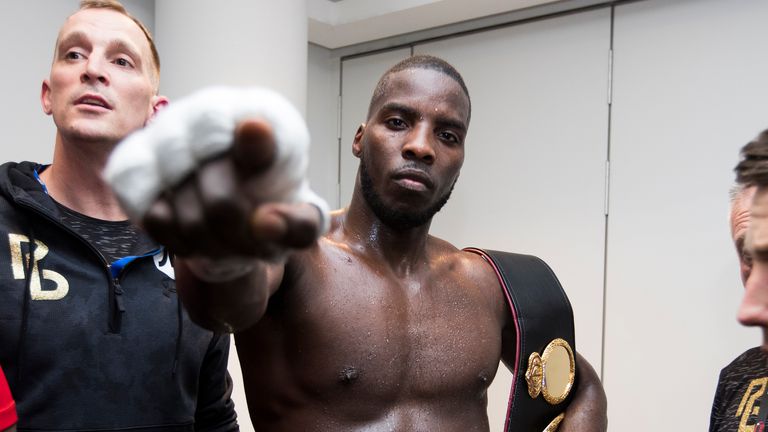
x=163, y=263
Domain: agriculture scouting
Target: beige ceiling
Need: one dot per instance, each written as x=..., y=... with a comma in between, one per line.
x=335, y=24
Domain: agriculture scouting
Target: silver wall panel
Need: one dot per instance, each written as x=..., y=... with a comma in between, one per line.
x=689, y=91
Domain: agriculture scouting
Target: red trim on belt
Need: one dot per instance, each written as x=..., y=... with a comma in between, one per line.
x=517, y=327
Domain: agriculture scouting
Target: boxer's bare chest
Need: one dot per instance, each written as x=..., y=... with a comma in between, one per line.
x=348, y=329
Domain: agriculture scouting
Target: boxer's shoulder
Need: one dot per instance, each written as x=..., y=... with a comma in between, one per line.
x=465, y=268
x=483, y=277
x=476, y=267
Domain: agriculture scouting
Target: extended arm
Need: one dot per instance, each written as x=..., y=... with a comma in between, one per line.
x=220, y=179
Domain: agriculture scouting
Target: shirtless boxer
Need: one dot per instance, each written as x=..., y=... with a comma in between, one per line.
x=374, y=325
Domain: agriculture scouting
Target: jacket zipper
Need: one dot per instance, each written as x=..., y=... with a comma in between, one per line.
x=115, y=291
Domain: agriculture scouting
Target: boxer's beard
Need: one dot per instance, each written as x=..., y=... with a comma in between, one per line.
x=396, y=219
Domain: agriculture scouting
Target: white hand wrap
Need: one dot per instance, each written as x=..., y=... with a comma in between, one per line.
x=199, y=127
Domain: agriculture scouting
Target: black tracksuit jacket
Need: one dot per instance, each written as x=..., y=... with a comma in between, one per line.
x=89, y=345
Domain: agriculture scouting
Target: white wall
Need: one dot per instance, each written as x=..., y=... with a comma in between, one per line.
x=237, y=42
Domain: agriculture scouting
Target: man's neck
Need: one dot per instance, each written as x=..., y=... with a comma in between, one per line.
x=403, y=249
x=75, y=180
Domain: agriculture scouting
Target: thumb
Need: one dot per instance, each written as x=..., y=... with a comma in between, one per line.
x=292, y=226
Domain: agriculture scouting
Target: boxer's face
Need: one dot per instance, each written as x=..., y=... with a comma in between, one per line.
x=101, y=85
x=412, y=147
x=754, y=306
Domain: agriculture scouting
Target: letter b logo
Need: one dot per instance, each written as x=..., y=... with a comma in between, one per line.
x=20, y=263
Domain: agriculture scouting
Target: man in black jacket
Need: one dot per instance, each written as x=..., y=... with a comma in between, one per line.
x=92, y=334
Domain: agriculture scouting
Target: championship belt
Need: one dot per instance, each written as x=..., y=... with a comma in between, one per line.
x=545, y=367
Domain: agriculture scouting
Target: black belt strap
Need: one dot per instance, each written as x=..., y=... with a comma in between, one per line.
x=541, y=313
